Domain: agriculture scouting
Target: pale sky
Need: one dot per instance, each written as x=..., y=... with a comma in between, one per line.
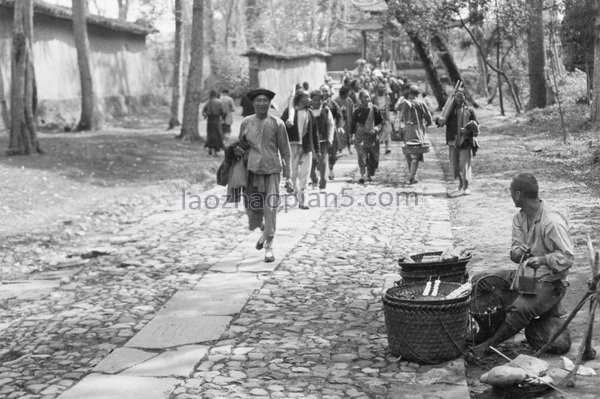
x=110, y=9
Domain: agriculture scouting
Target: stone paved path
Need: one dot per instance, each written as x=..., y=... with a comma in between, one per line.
x=182, y=305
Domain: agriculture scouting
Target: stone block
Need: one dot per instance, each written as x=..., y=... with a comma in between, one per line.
x=174, y=363
x=98, y=386
x=121, y=359
x=170, y=331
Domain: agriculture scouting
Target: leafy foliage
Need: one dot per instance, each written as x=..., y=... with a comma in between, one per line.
x=230, y=70
x=577, y=33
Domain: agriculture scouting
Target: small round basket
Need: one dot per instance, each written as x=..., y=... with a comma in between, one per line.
x=523, y=390
x=487, y=303
x=452, y=271
x=426, y=330
x=409, y=149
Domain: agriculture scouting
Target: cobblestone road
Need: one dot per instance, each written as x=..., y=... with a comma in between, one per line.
x=311, y=328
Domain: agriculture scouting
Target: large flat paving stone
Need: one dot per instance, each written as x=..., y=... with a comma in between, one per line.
x=229, y=282
x=28, y=290
x=174, y=363
x=192, y=303
x=170, y=331
x=447, y=380
x=215, y=294
x=98, y=386
x=121, y=359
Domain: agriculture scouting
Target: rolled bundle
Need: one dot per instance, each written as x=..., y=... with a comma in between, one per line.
x=448, y=106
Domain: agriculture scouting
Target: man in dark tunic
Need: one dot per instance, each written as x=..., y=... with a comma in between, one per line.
x=366, y=125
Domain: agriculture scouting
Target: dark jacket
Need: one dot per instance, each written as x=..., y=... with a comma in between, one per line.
x=231, y=157
x=452, y=123
x=310, y=141
x=321, y=124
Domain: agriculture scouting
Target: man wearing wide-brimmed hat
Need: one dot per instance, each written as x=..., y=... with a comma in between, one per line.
x=268, y=156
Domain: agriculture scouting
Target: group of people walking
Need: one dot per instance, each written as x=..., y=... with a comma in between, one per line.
x=313, y=126
x=311, y=133
x=218, y=112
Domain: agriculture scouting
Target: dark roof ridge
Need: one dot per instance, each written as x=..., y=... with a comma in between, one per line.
x=56, y=11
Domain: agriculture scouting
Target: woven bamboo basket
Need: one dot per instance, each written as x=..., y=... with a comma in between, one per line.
x=453, y=271
x=523, y=391
x=487, y=305
x=426, y=330
x=416, y=149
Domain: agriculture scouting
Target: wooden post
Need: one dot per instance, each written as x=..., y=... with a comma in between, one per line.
x=364, y=42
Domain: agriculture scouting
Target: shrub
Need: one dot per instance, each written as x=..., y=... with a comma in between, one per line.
x=229, y=70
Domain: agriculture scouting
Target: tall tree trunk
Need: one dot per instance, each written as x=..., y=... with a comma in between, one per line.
x=432, y=75
x=23, y=137
x=253, y=35
x=123, y=9
x=477, y=26
x=193, y=94
x=3, y=107
x=230, y=12
x=536, y=55
x=447, y=59
x=332, y=22
x=511, y=86
x=312, y=23
x=90, y=112
x=595, y=110
x=211, y=36
x=176, y=91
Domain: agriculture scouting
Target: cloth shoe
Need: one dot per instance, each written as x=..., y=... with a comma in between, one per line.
x=269, y=256
x=260, y=243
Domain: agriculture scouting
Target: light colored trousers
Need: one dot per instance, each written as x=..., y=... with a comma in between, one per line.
x=460, y=161
x=301, y=164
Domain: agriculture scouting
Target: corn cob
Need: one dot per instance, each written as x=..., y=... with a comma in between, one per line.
x=461, y=291
x=427, y=288
x=436, y=287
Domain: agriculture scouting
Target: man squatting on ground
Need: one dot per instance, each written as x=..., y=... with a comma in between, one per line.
x=366, y=125
x=325, y=126
x=304, y=143
x=541, y=236
x=267, y=139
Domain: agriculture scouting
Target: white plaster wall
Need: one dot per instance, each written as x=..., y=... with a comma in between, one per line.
x=119, y=61
x=281, y=76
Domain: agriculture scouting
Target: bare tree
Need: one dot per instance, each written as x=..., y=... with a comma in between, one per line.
x=176, y=93
x=433, y=77
x=536, y=54
x=229, y=12
x=91, y=115
x=23, y=137
x=501, y=73
x=445, y=55
x=3, y=107
x=191, y=111
x=476, y=18
x=211, y=39
x=595, y=111
x=123, y=9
